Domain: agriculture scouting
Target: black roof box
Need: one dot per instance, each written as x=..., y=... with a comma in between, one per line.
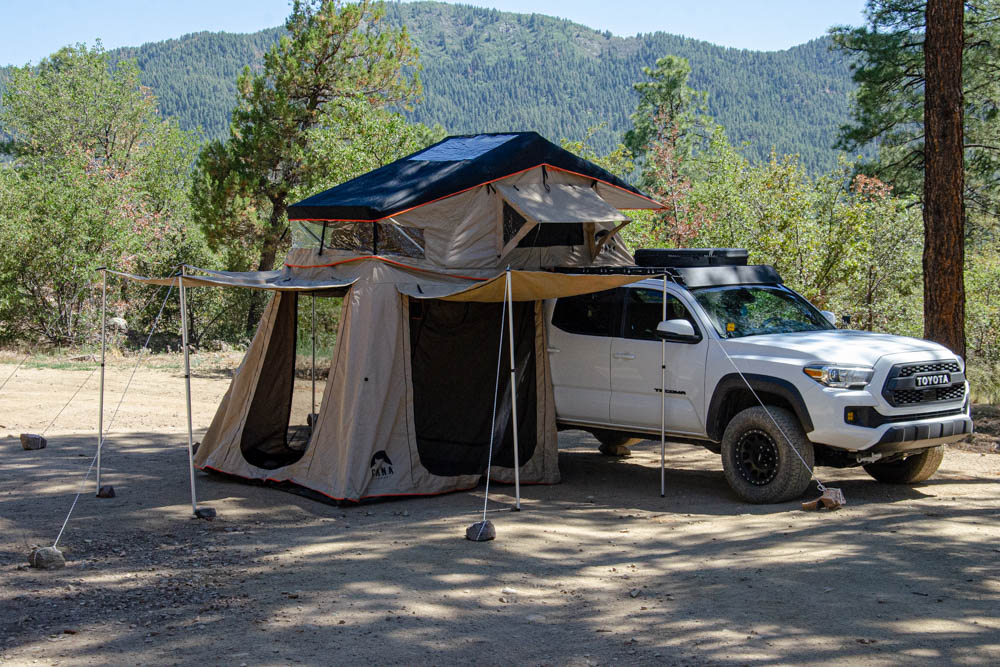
x=690, y=257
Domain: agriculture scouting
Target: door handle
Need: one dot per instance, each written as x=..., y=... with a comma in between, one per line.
x=623, y=355
x=553, y=349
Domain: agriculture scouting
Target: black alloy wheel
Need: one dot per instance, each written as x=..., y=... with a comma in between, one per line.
x=757, y=457
x=766, y=456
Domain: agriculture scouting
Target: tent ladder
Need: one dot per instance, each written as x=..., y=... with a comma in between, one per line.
x=509, y=298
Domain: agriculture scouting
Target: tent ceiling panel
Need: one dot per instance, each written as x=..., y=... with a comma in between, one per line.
x=560, y=203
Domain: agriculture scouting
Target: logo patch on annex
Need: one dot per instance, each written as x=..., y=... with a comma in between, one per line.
x=381, y=465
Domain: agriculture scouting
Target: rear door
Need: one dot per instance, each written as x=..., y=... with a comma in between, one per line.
x=635, y=367
x=579, y=346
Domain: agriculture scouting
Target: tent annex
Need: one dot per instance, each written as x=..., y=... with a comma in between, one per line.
x=436, y=256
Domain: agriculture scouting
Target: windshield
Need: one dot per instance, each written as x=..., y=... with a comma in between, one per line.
x=751, y=310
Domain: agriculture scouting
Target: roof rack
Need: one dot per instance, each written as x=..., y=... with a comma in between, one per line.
x=684, y=258
x=617, y=270
x=691, y=277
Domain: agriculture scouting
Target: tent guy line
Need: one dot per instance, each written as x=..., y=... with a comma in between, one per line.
x=101, y=432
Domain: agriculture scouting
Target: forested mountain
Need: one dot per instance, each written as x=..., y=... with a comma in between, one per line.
x=486, y=70
x=491, y=70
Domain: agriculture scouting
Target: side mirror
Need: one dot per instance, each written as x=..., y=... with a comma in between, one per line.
x=677, y=331
x=830, y=317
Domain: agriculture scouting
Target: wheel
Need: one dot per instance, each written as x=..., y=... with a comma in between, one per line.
x=614, y=443
x=914, y=468
x=758, y=461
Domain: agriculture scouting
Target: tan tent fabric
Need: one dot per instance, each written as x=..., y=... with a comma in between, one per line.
x=220, y=448
x=364, y=442
x=367, y=407
x=525, y=286
x=557, y=203
x=463, y=231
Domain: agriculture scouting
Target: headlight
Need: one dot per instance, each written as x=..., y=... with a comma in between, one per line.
x=840, y=376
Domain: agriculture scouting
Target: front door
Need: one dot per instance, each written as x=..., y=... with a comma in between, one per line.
x=635, y=368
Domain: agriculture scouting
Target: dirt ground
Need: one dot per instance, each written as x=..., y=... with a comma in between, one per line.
x=596, y=570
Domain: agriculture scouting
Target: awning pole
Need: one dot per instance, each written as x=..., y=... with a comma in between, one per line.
x=312, y=415
x=187, y=390
x=513, y=393
x=663, y=399
x=100, y=401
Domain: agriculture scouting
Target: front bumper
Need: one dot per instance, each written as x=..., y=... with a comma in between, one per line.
x=854, y=421
x=904, y=437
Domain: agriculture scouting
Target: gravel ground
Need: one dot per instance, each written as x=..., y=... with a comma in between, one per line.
x=596, y=570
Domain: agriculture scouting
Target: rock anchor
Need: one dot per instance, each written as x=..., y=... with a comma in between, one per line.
x=31, y=441
x=481, y=531
x=46, y=558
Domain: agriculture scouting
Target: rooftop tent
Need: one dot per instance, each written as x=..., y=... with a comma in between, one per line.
x=479, y=201
x=454, y=165
x=420, y=250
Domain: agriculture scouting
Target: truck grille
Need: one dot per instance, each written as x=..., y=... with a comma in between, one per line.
x=950, y=366
x=911, y=396
x=952, y=393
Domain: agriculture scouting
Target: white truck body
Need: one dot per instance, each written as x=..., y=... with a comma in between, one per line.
x=606, y=377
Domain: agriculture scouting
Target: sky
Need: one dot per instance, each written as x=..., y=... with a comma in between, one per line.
x=35, y=28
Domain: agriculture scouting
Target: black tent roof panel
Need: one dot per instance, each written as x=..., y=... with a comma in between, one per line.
x=449, y=167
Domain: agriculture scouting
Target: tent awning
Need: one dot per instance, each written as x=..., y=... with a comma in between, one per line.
x=560, y=204
x=526, y=286
x=273, y=281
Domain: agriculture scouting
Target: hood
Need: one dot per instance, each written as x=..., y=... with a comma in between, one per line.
x=840, y=346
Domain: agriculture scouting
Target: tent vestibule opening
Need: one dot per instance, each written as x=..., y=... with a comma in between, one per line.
x=280, y=421
x=451, y=367
x=265, y=441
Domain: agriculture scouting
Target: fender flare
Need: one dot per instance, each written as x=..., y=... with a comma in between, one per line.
x=762, y=384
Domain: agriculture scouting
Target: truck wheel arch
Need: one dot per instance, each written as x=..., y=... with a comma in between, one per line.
x=731, y=396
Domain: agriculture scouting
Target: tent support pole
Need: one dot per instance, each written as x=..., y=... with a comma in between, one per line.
x=187, y=390
x=100, y=401
x=663, y=398
x=513, y=393
x=312, y=415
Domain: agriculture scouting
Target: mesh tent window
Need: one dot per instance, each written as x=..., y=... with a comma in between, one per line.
x=360, y=237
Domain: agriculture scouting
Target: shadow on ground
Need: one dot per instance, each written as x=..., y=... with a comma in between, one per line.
x=597, y=569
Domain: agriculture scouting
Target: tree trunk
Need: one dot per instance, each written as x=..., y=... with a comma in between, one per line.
x=268, y=253
x=944, y=208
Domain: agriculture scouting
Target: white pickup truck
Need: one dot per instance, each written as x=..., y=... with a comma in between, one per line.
x=736, y=338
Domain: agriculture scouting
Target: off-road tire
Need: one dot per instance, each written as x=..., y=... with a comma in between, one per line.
x=611, y=441
x=758, y=461
x=914, y=468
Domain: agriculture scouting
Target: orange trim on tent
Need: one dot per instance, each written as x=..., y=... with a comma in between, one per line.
x=387, y=261
x=473, y=187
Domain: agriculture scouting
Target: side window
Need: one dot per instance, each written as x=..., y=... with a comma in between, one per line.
x=644, y=312
x=587, y=314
